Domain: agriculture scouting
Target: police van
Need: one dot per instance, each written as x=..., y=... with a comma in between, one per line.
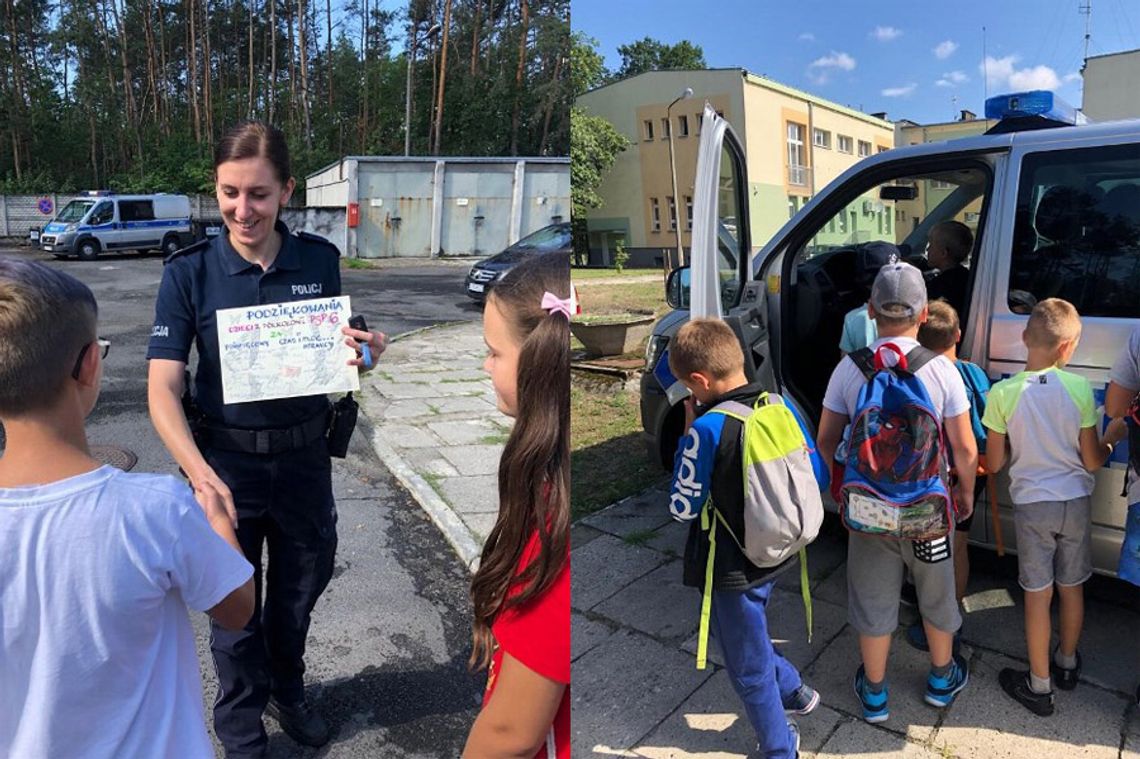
x=102, y=221
x=1055, y=209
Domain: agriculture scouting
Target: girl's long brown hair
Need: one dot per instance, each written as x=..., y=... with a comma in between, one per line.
x=534, y=472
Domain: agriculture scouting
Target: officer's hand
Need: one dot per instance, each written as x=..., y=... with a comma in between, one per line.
x=215, y=497
x=377, y=344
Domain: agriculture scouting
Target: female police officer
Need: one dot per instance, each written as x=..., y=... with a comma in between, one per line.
x=267, y=462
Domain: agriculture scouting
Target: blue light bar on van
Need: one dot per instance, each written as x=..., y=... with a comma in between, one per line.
x=1040, y=103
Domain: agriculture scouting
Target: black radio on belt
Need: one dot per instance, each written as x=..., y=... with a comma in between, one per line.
x=343, y=418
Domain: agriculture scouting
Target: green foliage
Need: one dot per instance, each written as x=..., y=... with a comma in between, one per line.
x=621, y=256
x=587, y=67
x=648, y=54
x=594, y=146
x=77, y=116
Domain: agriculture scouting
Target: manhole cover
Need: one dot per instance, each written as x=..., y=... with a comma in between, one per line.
x=117, y=457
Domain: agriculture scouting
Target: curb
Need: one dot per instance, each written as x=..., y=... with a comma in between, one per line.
x=453, y=529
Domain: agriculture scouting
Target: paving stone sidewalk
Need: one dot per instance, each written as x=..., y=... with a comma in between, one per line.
x=436, y=426
x=637, y=692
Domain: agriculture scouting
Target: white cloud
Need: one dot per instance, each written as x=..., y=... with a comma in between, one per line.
x=820, y=69
x=945, y=49
x=899, y=92
x=952, y=79
x=886, y=33
x=806, y=37
x=1003, y=74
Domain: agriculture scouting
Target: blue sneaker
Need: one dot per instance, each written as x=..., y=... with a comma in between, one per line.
x=875, y=708
x=940, y=691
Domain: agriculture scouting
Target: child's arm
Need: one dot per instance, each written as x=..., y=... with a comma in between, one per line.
x=234, y=611
x=960, y=431
x=514, y=723
x=1117, y=399
x=995, y=450
x=831, y=427
x=692, y=471
x=1096, y=451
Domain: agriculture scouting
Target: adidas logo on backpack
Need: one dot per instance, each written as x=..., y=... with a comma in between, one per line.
x=895, y=479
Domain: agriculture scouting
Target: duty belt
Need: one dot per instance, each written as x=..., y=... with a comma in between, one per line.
x=266, y=441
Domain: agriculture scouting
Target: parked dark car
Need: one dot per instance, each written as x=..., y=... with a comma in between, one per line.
x=483, y=275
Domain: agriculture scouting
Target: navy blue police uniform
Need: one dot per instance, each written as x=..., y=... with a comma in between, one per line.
x=272, y=454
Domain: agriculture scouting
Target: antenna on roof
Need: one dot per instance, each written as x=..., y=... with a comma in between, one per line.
x=985, y=69
x=1086, y=11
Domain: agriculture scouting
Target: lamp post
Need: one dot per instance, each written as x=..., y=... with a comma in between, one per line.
x=687, y=93
x=408, y=88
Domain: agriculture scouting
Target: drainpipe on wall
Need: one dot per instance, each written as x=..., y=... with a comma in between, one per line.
x=352, y=195
x=517, y=199
x=811, y=148
x=437, y=208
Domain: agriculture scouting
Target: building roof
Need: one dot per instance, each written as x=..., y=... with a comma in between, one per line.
x=445, y=158
x=763, y=81
x=1109, y=55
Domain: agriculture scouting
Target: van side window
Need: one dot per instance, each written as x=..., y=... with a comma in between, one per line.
x=1077, y=231
x=103, y=213
x=136, y=210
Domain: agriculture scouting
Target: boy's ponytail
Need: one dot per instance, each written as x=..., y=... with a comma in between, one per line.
x=534, y=472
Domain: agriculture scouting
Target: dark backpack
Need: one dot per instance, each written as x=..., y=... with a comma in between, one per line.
x=894, y=484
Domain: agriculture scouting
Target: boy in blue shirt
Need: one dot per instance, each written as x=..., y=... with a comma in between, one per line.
x=706, y=356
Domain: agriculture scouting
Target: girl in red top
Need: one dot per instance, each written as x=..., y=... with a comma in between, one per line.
x=521, y=592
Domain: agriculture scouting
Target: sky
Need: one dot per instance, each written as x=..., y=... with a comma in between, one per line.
x=917, y=60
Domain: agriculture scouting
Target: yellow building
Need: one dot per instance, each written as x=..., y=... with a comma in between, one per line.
x=795, y=144
x=909, y=213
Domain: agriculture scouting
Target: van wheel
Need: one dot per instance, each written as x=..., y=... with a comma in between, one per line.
x=88, y=250
x=170, y=245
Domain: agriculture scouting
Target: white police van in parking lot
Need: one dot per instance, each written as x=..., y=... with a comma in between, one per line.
x=1055, y=208
x=103, y=221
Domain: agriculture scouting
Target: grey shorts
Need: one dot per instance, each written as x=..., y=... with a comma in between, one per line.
x=874, y=581
x=1054, y=542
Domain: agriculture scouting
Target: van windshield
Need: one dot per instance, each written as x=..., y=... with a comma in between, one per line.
x=74, y=211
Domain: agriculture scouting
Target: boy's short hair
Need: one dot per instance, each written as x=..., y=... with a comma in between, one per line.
x=46, y=317
x=956, y=237
x=1052, y=322
x=940, y=330
x=708, y=346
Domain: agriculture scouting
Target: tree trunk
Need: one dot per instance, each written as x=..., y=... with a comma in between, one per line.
x=292, y=69
x=165, y=71
x=249, y=99
x=525, y=9
x=364, y=94
x=192, y=44
x=302, y=24
x=151, y=59
x=475, y=29
x=272, y=60
x=442, y=76
x=207, y=74
x=329, y=51
x=550, y=101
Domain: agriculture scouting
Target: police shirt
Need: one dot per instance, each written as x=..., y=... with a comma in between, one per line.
x=209, y=276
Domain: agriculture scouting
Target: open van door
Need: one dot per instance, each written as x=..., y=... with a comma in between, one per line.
x=720, y=275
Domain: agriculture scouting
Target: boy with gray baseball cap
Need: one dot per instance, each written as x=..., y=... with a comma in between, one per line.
x=875, y=564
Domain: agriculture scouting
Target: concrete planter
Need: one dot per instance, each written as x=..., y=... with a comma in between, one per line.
x=613, y=336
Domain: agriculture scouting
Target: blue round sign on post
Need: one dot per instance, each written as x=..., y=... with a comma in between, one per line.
x=45, y=205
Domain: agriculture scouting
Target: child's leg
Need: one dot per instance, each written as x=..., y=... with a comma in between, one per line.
x=1038, y=630
x=932, y=564
x=961, y=564
x=875, y=650
x=874, y=581
x=1072, y=616
x=740, y=625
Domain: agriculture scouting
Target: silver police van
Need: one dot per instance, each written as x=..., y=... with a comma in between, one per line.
x=103, y=221
x=1055, y=208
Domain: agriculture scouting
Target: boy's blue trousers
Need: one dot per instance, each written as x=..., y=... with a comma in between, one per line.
x=763, y=679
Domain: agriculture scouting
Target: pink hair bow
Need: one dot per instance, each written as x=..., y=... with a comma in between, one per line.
x=552, y=303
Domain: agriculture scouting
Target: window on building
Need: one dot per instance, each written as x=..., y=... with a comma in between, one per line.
x=938, y=184
x=648, y=129
x=887, y=220
x=1077, y=231
x=845, y=144
x=672, y=213
x=864, y=148
x=791, y=206
x=797, y=170
x=697, y=118
x=689, y=212
x=655, y=214
x=666, y=129
x=882, y=149
x=821, y=138
x=683, y=125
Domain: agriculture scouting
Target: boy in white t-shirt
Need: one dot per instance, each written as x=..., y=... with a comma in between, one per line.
x=97, y=567
x=1049, y=417
x=875, y=564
